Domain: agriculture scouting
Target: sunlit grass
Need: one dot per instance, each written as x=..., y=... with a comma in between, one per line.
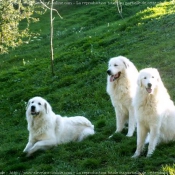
x=159, y=10
x=170, y=169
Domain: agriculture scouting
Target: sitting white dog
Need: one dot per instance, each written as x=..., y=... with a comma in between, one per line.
x=121, y=87
x=46, y=129
x=155, y=111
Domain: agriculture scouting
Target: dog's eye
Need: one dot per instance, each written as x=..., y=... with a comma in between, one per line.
x=32, y=101
x=39, y=103
x=152, y=76
x=144, y=77
x=115, y=65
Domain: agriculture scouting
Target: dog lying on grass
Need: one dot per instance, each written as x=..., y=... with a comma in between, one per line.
x=46, y=129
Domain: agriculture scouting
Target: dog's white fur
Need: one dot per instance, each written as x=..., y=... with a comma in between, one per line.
x=155, y=111
x=121, y=87
x=46, y=129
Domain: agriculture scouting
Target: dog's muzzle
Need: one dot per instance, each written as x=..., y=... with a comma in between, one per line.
x=33, y=111
x=149, y=89
x=113, y=77
x=109, y=72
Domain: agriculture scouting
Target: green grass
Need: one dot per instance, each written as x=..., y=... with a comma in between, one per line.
x=84, y=40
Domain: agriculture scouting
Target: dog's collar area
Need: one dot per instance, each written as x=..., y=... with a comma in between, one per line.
x=114, y=77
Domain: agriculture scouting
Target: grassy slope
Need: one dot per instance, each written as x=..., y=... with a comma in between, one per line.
x=84, y=41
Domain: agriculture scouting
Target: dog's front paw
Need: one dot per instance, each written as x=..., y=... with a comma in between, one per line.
x=114, y=134
x=25, y=150
x=129, y=135
x=136, y=155
x=149, y=155
x=110, y=136
x=26, y=153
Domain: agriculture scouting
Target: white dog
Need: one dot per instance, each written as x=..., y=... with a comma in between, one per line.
x=121, y=86
x=155, y=112
x=46, y=129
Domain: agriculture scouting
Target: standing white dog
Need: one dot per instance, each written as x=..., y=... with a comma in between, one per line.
x=121, y=86
x=155, y=112
x=46, y=129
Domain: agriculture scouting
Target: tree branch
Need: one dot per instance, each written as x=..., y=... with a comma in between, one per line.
x=50, y=9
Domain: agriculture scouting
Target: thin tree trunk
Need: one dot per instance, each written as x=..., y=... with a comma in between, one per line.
x=51, y=33
x=119, y=7
x=51, y=39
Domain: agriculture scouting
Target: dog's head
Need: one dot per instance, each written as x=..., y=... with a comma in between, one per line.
x=116, y=67
x=149, y=79
x=37, y=106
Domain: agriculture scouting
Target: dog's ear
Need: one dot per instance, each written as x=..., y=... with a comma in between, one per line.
x=158, y=79
x=28, y=104
x=139, y=81
x=156, y=72
x=47, y=107
x=126, y=64
x=158, y=76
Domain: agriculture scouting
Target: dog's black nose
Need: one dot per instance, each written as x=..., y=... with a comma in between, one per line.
x=32, y=108
x=149, y=85
x=108, y=72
